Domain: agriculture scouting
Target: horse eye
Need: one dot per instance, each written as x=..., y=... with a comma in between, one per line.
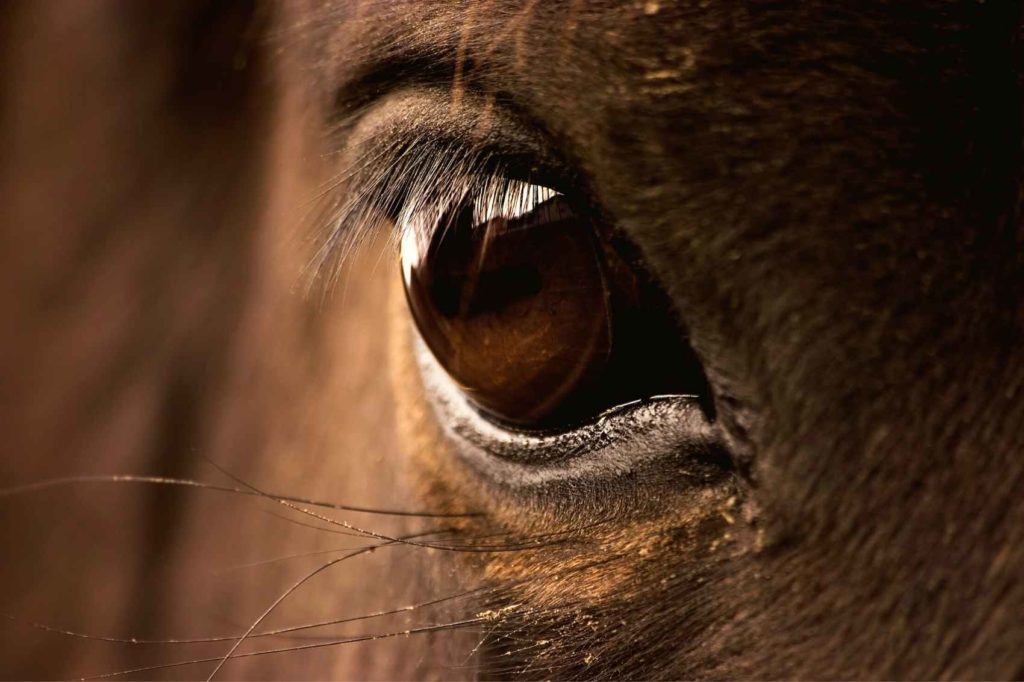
x=529, y=313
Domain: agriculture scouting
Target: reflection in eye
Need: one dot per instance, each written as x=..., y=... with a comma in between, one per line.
x=516, y=309
x=533, y=312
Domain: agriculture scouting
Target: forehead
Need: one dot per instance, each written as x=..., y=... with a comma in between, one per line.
x=684, y=93
x=636, y=50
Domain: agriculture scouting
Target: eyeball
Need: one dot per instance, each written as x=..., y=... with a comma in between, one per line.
x=516, y=308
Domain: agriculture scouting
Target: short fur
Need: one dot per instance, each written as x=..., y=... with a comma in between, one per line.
x=829, y=191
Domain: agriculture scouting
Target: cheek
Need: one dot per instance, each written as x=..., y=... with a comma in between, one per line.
x=429, y=459
x=683, y=535
x=593, y=599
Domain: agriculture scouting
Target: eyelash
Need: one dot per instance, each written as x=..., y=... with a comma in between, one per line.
x=405, y=188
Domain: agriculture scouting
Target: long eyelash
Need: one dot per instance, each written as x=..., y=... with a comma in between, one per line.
x=407, y=189
x=371, y=193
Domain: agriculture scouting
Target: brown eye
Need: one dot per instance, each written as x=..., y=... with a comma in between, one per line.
x=517, y=310
x=538, y=316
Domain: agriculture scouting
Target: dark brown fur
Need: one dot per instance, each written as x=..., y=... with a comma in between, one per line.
x=830, y=192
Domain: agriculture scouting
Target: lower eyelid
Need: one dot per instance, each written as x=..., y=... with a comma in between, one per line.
x=627, y=440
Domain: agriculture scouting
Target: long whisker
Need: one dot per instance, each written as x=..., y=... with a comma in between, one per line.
x=533, y=542
x=478, y=620
x=266, y=633
x=387, y=538
x=301, y=647
x=184, y=482
x=299, y=555
x=386, y=541
x=315, y=526
x=289, y=557
x=284, y=595
x=292, y=628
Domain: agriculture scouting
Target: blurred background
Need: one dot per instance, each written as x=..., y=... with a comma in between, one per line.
x=158, y=161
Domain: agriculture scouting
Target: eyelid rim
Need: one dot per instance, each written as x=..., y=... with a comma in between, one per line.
x=621, y=440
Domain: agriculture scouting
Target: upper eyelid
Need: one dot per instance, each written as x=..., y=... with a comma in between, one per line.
x=379, y=80
x=415, y=138
x=478, y=127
